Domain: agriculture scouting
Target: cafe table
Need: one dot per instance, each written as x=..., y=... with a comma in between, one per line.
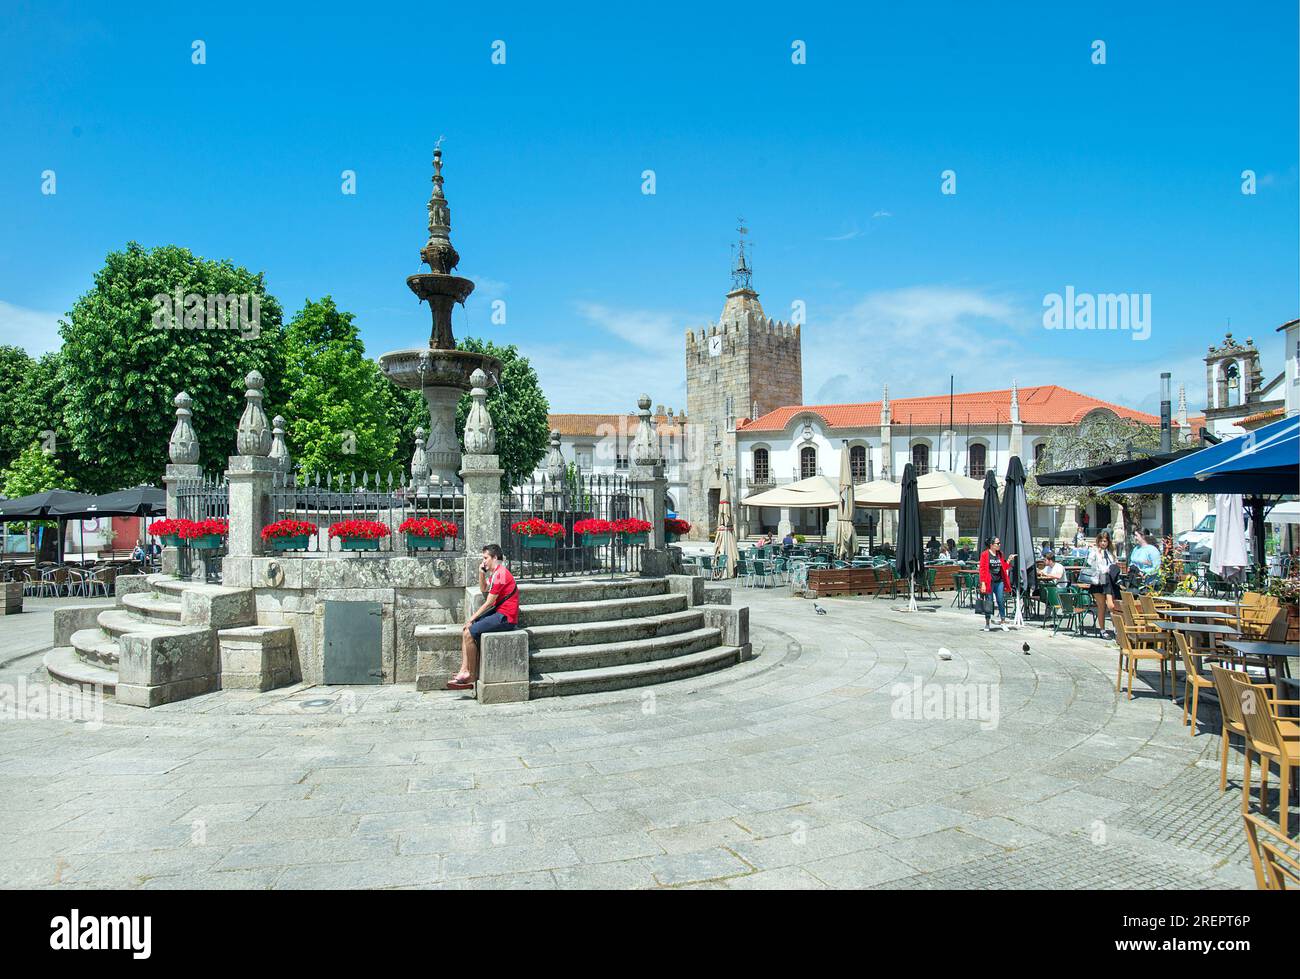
x=1199, y=601
x=1282, y=653
x=1207, y=629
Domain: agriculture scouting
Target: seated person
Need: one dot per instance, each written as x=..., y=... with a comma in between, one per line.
x=1146, y=556
x=787, y=542
x=1051, y=573
x=498, y=613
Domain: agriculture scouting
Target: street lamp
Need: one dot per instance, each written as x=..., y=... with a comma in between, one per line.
x=1166, y=446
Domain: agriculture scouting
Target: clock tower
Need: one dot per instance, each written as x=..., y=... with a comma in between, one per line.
x=740, y=367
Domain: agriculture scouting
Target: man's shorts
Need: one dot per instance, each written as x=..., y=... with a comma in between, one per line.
x=492, y=622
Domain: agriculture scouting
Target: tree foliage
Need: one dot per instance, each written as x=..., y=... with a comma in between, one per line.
x=339, y=411
x=33, y=471
x=119, y=371
x=1100, y=438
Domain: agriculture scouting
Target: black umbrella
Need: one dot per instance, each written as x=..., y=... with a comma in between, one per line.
x=138, y=501
x=39, y=506
x=1016, y=537
x=909, y=561
x=990, y=511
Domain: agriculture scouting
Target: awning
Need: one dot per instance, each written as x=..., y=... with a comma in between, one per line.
x=1269, y=455
x=1110, y=473
x=1192, y=473
x=816, y=491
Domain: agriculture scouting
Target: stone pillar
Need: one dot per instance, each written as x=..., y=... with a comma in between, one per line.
x=649, y=487
x=784, y=525
x=480, y=470
x=249, y=476
x=1017, y=429
x=183, y=451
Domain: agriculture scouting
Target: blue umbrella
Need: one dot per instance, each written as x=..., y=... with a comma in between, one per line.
x=1274, y=452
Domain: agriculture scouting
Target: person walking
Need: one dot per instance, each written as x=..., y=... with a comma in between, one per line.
x=995, y=582
x=1104, y=568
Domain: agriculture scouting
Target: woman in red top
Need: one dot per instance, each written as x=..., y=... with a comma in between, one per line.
x=995, y=578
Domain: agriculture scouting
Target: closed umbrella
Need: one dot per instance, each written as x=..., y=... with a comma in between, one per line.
x=1017, y=542
x=724, y=541
x=1228, y=548
x=990, y=512
x=846, y=541
x=910, y=559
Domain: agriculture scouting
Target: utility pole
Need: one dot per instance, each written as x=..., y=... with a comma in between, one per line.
x=1166, y=446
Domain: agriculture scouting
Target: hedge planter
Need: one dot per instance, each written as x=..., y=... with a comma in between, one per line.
x=298, y=543
x=630, y=539
x=414, y=542
x=538, y=542
x=596, y=540
x=359, y=543
x=208, y=542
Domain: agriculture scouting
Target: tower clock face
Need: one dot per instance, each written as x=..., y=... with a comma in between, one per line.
x=715, y=346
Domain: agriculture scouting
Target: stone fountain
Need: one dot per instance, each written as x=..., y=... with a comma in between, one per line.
x=440, y=372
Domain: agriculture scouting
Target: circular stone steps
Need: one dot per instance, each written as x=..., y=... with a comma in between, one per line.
x=568, y=658
x=95, y=648
x=149, y=606
x=64, y=665
x=633, y=674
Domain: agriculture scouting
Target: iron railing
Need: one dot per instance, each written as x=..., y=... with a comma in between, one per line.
x=576, y=497
x=327, y=498
x=202, y=498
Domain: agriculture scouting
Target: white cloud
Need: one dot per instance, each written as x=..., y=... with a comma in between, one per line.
x=35, y=331
x=650, y=330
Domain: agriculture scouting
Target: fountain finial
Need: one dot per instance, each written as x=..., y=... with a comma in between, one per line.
x=438, y=252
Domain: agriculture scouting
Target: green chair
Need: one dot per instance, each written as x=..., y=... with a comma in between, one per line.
x=959, y=595
x=1050, y=596
x=927, y=583
x=886, y=579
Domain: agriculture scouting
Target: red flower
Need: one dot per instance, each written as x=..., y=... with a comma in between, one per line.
x=168, y=527
x=537, y=527
x=204, y=528
x=593, y=526
x=288, y=528
x=428, y=527
x=676, y=525
x=359, y=529
x=631, y=525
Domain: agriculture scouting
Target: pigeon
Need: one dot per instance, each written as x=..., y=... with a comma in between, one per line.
x=944, y=654
x=818, y=609
x=1025, y=648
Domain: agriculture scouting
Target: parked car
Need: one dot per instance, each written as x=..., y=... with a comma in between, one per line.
x=1199, y=537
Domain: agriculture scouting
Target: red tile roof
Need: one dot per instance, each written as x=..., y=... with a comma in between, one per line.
x=1049, y=404
x=602, y=425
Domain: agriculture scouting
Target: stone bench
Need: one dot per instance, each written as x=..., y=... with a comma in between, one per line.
x=257, y=657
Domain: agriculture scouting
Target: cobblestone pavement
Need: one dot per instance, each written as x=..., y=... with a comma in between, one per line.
x=806, y=767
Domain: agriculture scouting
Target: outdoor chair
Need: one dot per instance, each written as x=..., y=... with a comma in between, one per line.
x=1050, y=596
x=1266, y=737
x=720, y=567
x=886, y=580
x=1230, y=720
x=927, y=583
x=799, y=575
x=1193, y=681
x=102, y=581
x=959, y=593
x=706, y=565
x=1135, y=645
x=1272, y=854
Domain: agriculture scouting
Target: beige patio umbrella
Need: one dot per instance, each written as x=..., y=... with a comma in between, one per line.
x=846, y=540
x=932, y=489
x=877, y=494
x=724, y=541
x=816, y=492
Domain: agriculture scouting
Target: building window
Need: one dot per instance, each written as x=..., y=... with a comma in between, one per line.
x=858, y=463
x=807, y=462
x=921, y=459
x=979, y=455
x=761, y=468
x=1040, y=450
x=621, y=456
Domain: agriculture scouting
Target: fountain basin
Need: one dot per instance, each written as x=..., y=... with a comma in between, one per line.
x=420, y=368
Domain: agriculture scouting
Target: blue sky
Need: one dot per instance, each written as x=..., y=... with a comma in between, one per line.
x=1122, y=177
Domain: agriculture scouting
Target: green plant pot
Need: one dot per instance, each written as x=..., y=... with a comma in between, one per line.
x=171, y=540
x=540, y=542
x=596, y=540
x=296, y=543
x=670, y=538
x=208, y=542
x=414, y=542
x=360, y=543
x=642, y=538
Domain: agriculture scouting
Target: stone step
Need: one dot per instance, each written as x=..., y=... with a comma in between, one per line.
x=568, y=658
x=64, y=666
x=96, y=648
x=617, y=630
x=118, y=622
x=173, y=587
x=589, y=590
x=633, y=674
x=153, y=607
x=556, y=613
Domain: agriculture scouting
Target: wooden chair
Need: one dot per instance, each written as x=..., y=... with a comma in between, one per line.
x=1231, y=721
x=1266, y=739
x=1137, y=644
x=1193, y=681
x=1272, y=854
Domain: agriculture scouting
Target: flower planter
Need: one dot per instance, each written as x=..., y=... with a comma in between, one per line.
x=630, y=539
x=359, y=543
x=538, y=542
x=296, y=543
x=171, y=540
x=415, y=542
x=208, y=542
x=596, y=540
x=670, y=538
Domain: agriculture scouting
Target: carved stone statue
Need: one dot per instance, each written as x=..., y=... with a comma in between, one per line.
x=480, y=435
x=183, y=448
x=253, y=436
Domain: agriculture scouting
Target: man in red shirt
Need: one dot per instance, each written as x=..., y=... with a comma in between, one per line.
x=498, y=613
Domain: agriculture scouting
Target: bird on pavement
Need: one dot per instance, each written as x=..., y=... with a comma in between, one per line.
x=1025, y=649
x=818, y=609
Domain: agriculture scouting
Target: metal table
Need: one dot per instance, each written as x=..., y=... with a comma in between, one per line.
x=1282, y=652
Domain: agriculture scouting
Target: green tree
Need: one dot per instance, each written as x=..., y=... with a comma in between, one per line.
x=1100, y=438
x=124, y=359
x=16, y=370
x=339, y=411
x=34, y=471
